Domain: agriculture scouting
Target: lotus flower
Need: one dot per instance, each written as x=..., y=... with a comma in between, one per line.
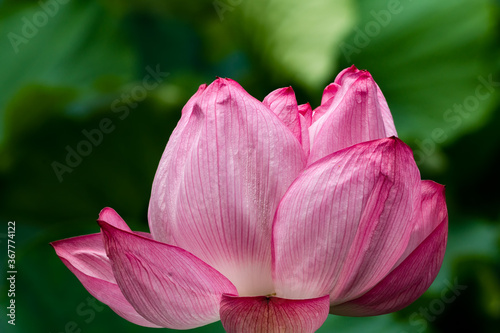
x=269, y=216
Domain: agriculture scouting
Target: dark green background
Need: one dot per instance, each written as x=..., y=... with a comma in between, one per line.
x=64, y=76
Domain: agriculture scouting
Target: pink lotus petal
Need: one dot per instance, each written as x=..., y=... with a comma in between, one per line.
x=166, y=176
x=405, y=283
x=86, y=258
x=110, y=216
x=272, y=314
x=219, y=183
x=326, y=101
x=165, y=284
x=345, y=221
x=188, y=108
x=329, y=92
x=356, y=113
x=305, y=116
x=284, y=104
x=347, y=76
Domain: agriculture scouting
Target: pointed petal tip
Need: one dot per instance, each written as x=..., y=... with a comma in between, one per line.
x=352, y=74
x=435, y=187
x=347, y=71
x=364, y=74
x=400, y=148
x=355, y=70
x=56, y=245
x=330, y=87
x=329, y=92
x=396, y=142
x=279, y=93
x=224, y=81
x=110, y=216
x=218, y=87
x=351, y=70
x=105, y=211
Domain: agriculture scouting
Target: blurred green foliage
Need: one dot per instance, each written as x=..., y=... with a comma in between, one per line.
x=67, y=65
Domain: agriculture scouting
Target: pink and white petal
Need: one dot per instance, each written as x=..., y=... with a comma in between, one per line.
x=357, y=113
x=345, y=221
x=165, y=284
x=263, y=314
x=167, y=173
x=405, y=283
x=216, y=191
x=283, y=103
x=85, y=257
x=110, y=216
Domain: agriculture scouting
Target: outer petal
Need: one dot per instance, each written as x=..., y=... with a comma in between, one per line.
x=345, y=221
x=86, y=257
x=165, y=284
x=272, y=314
x=405, y=283
x=417, y=267
x=284, y=104
x=357, y=112
x=220, y=181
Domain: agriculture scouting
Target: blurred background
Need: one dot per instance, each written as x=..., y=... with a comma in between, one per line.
x=91, y=90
